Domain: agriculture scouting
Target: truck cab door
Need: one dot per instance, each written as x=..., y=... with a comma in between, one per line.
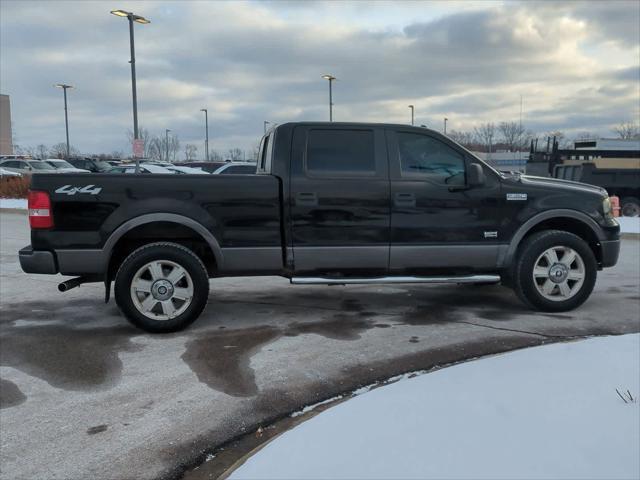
x=339, y=200
x=439, y=221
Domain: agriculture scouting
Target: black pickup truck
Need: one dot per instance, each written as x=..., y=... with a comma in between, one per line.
x=330, y=203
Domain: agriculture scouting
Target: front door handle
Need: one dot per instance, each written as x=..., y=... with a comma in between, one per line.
x=404, y=200
x=307, y=198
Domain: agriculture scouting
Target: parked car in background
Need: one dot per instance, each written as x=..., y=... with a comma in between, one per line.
x=208, y=167
x=186, y=170
x=144, y=168
x=8, y=173
x=63, y=166
x=91, y=164
x=236, y=168
x=27, y=166
x=113, y=163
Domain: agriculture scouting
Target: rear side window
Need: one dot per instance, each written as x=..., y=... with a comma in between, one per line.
x=341, y=151
x=431, y=159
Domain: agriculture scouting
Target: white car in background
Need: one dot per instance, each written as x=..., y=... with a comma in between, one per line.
x=62, y=166
x=236, y=168
x=144, y=168
x=8, y=173
x=186, y=170
x=27, y=166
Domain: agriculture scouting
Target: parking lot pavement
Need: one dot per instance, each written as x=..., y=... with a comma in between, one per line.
x=83, y=394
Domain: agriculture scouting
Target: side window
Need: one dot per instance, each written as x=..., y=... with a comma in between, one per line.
x=426, y=157
x=263, y=152
x=341, y=152
x=239, y=169
x=12, y=164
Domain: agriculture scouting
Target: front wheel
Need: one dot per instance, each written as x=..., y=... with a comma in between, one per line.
x=555, y=271
x=162, y=287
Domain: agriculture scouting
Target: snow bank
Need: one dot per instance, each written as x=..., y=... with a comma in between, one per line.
x=629, y=224
x=19, y=203
x=544, y=412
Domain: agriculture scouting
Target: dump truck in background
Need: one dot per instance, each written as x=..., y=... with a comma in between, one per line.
x=611, y=164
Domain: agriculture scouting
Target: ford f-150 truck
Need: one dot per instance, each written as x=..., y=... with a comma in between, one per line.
x=330, y=203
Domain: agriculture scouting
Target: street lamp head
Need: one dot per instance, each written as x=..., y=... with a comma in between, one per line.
x=63, y=85
x=203, y=110
x=120, y=13
x=329, y=77
x=410, y=106
x=139, y=19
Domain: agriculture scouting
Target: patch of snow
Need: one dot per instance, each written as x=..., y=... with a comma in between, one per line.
x=629, y=224
x=309, y=408
x=18, y=203
x=543, y=412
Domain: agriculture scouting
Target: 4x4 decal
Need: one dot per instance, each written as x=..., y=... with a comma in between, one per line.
x=89, y=189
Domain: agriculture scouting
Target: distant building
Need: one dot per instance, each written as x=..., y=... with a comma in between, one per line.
x=6, y=144
x=507, y=161
x=613, y=144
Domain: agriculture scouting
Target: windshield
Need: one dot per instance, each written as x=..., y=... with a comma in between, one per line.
x=40, y=166
x=60, y=164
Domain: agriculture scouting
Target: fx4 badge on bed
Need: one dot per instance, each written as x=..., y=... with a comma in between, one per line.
x=516, y=197
x=89, y=189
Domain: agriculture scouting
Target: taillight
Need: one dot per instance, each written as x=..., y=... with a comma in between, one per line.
x=40, y=214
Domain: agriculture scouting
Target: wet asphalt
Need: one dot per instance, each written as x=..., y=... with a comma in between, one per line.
x=84, y=394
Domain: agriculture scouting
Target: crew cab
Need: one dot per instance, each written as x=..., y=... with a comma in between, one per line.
x=330, y=203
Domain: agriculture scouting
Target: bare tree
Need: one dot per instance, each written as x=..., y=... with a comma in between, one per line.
x=59, y=150
x=214, y=156
x=627, y=131
x=513, y=135
x=42, y=150
x=561, y=138
x=235, y=154
x=584, y=136
x=463, y=138
x=154, y=148
x=485, y=134
x=190, y=152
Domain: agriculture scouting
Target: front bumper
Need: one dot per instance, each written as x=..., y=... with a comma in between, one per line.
x=610, y=252
x=37, y=261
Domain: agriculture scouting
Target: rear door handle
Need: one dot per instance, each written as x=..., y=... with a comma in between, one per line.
x=306, y=198
x=404, y=200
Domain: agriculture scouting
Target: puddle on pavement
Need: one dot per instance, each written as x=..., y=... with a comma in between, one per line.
x=68, y=358
x=221, y=359
x=338, y=327
x=10, y=394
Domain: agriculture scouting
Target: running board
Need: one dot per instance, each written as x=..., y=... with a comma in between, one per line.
x=376, y=280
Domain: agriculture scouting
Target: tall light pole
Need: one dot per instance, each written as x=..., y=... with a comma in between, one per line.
x=64, y=87
x=206, y=133
x=138, y=19
x=166, y=141
x=445, y=125
x=331, y=78
x=412, y=109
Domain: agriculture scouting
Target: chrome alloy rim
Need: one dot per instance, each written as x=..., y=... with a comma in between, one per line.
x=161, y=290
x=559, y=273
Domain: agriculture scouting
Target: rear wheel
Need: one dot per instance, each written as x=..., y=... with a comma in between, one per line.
x=630, y=207
x=162, y=287
x=555, y=271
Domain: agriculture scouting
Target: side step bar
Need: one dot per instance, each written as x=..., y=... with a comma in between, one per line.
x=377, y=280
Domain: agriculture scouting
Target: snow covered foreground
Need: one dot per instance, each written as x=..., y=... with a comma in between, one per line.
x=543, y=412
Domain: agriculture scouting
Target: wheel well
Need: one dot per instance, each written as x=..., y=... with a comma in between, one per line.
x=571, y=225
x=159, y=232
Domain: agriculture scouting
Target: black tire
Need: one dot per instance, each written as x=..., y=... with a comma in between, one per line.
x=531, y=250
x=630, y=207
x=197, y=282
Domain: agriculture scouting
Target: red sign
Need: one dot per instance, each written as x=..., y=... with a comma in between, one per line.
x=138, y=148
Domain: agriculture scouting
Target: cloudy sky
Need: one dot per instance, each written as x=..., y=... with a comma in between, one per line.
x=576, y=65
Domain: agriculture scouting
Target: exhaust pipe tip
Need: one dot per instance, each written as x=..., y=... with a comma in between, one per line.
x=62, y=287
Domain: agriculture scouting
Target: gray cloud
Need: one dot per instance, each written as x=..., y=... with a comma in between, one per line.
x=253, y=62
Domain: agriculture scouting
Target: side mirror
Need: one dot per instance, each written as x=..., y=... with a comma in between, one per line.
x=475, y=175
